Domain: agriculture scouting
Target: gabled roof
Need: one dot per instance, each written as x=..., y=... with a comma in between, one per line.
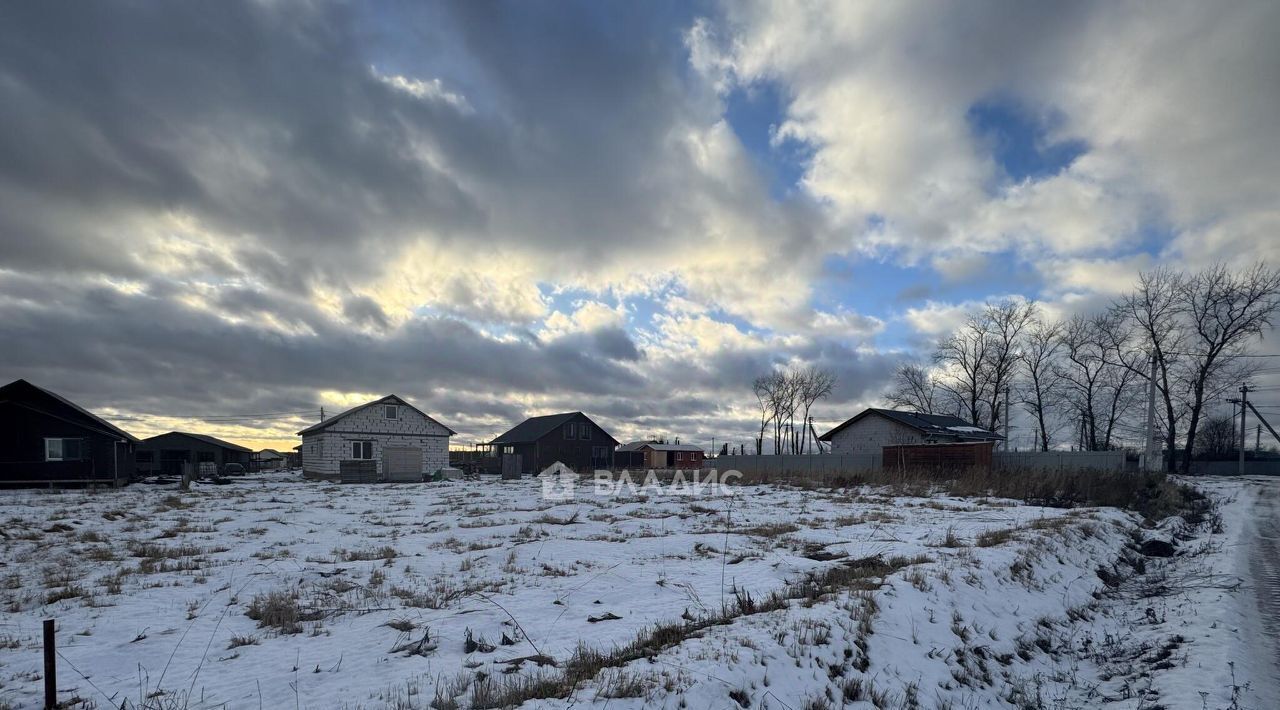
x=389, y=399
x=637, y=445
x=927, y=424
x=94, y=422
x=271, y=452
x=534, y=428
x=211, y=440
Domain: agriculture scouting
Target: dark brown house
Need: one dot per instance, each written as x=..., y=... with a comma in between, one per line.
x=570, y=438
x=166, y=453
x=658, y=455
x=48, y=440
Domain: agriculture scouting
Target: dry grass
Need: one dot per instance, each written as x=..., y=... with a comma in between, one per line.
x=1153, y=495
x=278, y=610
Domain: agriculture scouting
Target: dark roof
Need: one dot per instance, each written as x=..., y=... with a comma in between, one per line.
x=211, y=440
x=637, y=445
x=534, y=428
x=389, y=399
x=928, y=424
x=94, y=421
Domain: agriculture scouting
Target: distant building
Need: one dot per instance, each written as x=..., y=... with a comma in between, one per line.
x=403, y=443
x=165, y=454
x=656, y=455
x=46, y=439
x=570, y=438
x=268, y=460
x=874, y=429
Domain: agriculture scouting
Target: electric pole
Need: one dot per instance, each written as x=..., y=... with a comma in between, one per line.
x=1244, y=431
x=1006, y=419
x=1151, y=451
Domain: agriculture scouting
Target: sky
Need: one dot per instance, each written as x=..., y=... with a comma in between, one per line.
x=222, y=217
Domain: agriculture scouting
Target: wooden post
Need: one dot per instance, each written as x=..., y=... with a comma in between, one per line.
x=50, y=668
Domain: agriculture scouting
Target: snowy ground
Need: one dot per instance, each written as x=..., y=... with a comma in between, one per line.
x=430, y=595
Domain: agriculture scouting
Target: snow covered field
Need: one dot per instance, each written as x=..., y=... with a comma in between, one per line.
x=276, y=593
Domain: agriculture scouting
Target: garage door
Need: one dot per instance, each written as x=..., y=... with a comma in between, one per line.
x=403, y=463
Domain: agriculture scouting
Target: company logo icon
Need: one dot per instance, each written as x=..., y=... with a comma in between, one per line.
x=558, y=482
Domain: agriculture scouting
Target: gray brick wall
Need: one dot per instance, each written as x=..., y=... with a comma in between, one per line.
x=323, y=450
x=871, y=434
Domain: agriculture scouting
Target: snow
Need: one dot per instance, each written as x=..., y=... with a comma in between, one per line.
x=966, y=621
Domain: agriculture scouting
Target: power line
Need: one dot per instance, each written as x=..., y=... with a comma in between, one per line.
x=221, y=417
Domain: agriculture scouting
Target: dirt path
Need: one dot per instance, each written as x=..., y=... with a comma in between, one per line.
x=1263, y=548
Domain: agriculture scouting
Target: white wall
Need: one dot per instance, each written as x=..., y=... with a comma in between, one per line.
x=323, y=450
x=871, y=434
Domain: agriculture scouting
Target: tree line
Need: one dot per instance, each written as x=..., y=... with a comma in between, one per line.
x=782, y=395
x=1189, y=332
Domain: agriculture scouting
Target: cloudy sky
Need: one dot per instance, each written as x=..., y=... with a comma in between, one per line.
x=213, y=210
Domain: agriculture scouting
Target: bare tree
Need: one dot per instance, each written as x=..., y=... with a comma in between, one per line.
x=1155, y=311
x=914, y=389
x=1225, y=311
x=1041, y=388
x=1005, y=323
x=1219, y=438
x=763, y=389
x=1097, y=389
x=813, y=384
x=963, y=359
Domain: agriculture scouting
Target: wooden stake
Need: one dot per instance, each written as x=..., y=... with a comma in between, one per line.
x=50, y=668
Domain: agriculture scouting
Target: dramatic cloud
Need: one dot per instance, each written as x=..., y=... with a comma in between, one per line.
x=499, y=210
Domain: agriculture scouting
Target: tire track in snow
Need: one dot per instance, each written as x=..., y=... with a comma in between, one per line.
x=1264, y=569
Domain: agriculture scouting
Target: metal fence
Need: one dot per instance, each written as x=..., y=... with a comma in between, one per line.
x=1060, y=460
x=835, y=464
x=1232, y=468
x=796, y=463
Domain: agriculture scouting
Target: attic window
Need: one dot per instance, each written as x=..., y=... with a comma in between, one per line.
x=391, y=411
x=584, y=430
x=571, y=430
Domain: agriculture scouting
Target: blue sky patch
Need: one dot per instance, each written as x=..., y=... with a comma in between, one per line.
x=1022, y=138
x=755, y=112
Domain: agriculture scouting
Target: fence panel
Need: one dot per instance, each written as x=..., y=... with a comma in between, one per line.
x=1060, y=460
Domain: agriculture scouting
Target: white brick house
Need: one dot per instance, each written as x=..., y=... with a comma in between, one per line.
x=405, y=443
x=874, y=429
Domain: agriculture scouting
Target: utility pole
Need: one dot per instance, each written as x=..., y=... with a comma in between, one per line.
x=322, y=414
x=1006, y=419
x=1244, y=431
x=1151, y=451
x=1257, y=439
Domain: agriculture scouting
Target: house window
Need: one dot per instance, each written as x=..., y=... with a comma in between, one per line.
x=508, y=449
x=599, y=453
x=362, y=450
x=571, y=430
x=584, y=430
x=64, y=449
x=391, y=411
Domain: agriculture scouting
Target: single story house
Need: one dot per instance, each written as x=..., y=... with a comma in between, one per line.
x=656, y=455
x=873, y=429
x=402, y=442
x=165, y=454
x=46, y=439
x=570, y=438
